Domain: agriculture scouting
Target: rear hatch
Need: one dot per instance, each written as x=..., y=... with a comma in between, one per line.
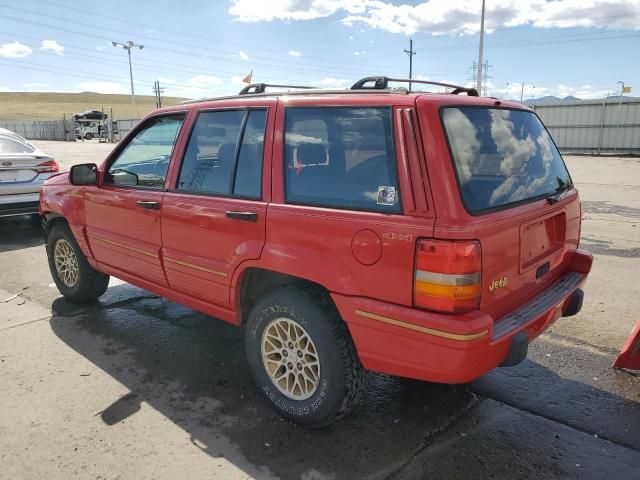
x=519, y=199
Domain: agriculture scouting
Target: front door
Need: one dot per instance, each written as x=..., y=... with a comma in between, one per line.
x=123, y=212
x=215, y=217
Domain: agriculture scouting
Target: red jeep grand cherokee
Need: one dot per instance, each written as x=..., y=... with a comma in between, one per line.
x=430, y=236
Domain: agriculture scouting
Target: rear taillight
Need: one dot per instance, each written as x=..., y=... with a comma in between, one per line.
x=448, y=275
x=48, y=166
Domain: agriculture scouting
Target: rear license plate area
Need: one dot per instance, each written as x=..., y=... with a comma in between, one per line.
x=540, y=238
x=13, y=176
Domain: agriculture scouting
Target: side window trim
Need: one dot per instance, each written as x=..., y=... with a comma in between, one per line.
x=236, y=154
x=247, y=111
x=113, y=157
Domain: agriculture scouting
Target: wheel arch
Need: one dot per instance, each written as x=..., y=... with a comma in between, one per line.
x=254, y=282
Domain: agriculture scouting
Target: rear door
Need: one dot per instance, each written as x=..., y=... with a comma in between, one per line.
x=214, y=217
x=514, y=194
x=349, y=196
x=123, y=211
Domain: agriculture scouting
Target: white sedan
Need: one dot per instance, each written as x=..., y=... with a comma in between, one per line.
x=23, y=169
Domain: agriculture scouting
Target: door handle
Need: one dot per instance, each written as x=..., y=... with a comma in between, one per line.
x=244, y=216
x=148, y=205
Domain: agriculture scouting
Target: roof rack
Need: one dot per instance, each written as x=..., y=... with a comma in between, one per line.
x=261, y=87
x=382, y=83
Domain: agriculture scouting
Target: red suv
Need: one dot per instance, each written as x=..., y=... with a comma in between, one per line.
x=430, y=236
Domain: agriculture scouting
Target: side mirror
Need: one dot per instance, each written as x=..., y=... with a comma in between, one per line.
x=84, y=174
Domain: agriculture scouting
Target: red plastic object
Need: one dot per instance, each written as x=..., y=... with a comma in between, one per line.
x=629, y=356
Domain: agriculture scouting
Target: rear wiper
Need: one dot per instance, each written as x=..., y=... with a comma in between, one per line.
x=557, y=193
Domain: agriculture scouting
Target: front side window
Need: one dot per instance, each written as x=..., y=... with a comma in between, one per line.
x=341, y=157
x=224, y=154
x=502, y=157
x=144, y=161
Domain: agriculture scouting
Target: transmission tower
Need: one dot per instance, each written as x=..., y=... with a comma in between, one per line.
x=485, y=76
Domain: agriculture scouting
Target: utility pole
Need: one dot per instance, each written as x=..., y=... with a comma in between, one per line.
x=479, y=76
x=128, y=46
x=411, y=52
x=521, y=92
x=158, y=91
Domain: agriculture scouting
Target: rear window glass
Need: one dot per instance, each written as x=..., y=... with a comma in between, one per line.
x=341, y=157
x=9, y=145
x=502, y=157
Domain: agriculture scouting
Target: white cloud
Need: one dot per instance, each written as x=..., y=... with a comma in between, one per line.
x=4, y=89
x=330, y=83
x=513, y=91
x=103, y=87
x=440, y=17
x=243, y=55
x=52, y=45
x=259, y=10
x=195, y=87
x=362, y=52
x=204, y=81
x=294, y=53
x=15, y=50
x=36, y=87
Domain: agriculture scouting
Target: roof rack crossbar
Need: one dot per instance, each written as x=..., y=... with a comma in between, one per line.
x=382, y=83
x=262, y=87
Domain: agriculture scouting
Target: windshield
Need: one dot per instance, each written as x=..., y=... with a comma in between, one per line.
x=502, y=157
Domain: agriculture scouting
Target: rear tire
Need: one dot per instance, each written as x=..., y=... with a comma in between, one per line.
x=78, y=281
x=325, y=379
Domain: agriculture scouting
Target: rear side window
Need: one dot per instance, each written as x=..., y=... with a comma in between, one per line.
x=224, y=154
x=341, y=157
x=502, y=157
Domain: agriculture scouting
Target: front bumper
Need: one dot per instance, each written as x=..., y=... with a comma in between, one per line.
x=412, y=343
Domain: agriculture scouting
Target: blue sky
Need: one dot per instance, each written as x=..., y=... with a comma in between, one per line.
x=199, y=48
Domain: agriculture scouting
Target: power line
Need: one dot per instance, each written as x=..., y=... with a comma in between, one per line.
x=323, y=68
x=306, y=70
x=191, y=35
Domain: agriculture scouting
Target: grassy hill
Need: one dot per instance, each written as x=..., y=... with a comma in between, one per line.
x=52, y=106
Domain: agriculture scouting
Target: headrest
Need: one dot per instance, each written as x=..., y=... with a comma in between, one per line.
x=311, y=153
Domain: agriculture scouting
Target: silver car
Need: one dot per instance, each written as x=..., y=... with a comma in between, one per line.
x=23, y=169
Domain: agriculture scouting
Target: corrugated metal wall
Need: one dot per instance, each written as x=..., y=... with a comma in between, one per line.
x=594, y=126
x=41, y=129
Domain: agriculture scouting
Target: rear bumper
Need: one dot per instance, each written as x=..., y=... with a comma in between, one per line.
x=412, y=343
x=20, y=204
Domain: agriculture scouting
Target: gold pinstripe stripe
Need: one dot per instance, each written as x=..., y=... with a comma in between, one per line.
x=196, y=267
x=126, y=247
x=429, y=331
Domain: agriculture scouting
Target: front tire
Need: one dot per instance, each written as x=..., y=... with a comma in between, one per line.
x=78, y=281
x=88, y=136
x=302, y=356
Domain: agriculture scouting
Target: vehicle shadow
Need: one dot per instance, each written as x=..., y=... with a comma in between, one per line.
x=192, y=369
x=20, y=232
